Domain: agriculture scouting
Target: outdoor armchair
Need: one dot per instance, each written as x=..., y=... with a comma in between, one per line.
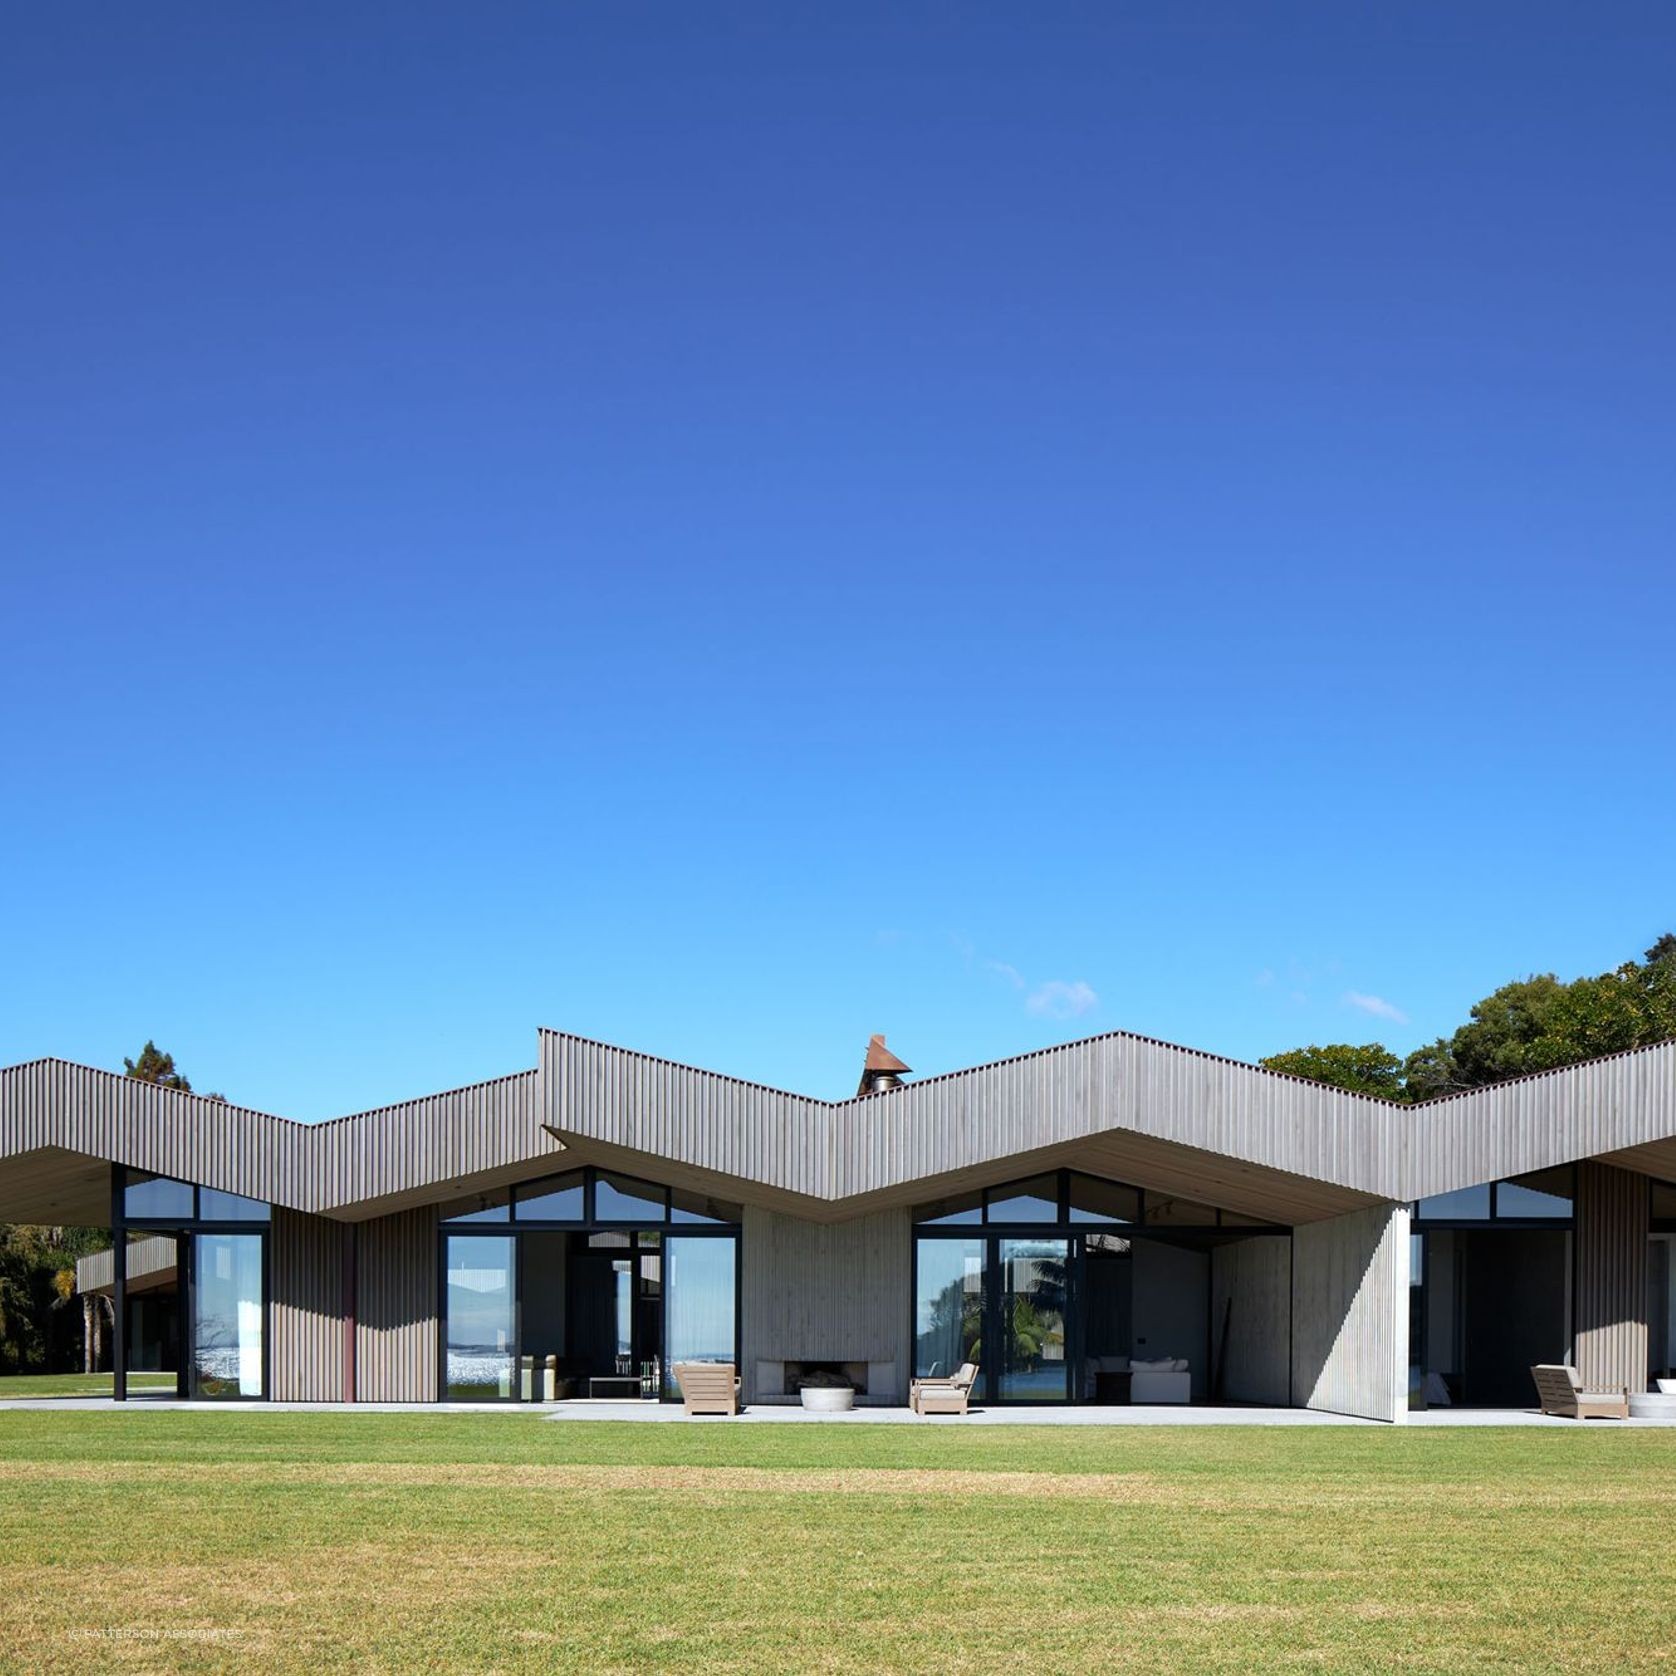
x=1560, y=1391
x=708, y=1387
x=945, y=1395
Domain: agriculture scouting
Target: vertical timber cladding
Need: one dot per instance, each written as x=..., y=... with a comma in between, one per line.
x=1350, y=1313
x=825, y=1292
x=306, y=1269
x=396, y=1307
x=1611, y=1287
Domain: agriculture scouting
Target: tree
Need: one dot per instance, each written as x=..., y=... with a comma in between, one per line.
x=1368, y=1069
x=1532, y=1024
x=153, y=1066
x=1541, y=1024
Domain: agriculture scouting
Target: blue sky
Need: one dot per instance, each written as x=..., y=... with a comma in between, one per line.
x=730, y=528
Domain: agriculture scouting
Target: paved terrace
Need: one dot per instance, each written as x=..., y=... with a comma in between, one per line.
x=585, y=1411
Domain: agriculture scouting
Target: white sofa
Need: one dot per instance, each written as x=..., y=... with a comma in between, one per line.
x=1169, y=1379
x=1166, y=1379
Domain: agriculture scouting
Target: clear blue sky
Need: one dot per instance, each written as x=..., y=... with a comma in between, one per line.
x=730, y=528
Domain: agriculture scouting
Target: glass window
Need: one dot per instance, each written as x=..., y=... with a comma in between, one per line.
x=216, y=1206
x=552, y=1199
x=1465, y=1204
x=957, y=1208
x=1094, y=1200
x=948, y=1305
x=493, y=1206
x=1036, y=1200
x=146, y=1195
x=1165, y=1210
x=1106, y=1245
x=696, y=1207
x=1546, y=1193
x=226, y=1315
x=610, y=1242
x=1033, y=1362
x=480, y=1292
x=1664, y=1202
x=623, y=1199
x=698, y=1280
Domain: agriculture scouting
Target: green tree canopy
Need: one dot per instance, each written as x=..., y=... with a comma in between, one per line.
x=157, y=1067
x=1531, y=1024
x=1368, y=1069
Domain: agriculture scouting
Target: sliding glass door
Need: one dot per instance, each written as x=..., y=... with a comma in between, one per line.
x=227, y=1292
x=700, y=1289
x=948, y=1305
x=1033, y=1366
x=482, y=1318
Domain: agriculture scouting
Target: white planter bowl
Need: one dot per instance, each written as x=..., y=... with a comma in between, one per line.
x=1667, y=1387
x=827, y=1399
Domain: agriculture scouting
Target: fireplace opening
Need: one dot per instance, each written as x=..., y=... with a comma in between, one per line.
x=826, y=1375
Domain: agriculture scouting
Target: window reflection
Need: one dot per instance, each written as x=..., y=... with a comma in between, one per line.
x=480, y=1293
x=226, y=1316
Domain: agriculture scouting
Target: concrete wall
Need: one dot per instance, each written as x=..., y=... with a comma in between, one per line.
x=1251, y=1287
x=1172, y=1307
x=826, y=1292
x=1350, y=1313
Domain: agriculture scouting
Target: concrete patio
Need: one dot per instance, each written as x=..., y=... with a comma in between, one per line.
x=585, y=1411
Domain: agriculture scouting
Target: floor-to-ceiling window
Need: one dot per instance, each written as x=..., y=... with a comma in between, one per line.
x=227, y=1295
x=217, y=1311
x=598, y=1284
x=701, y=1314
x=1490, y=1289
x=481, y=1313
x=1661, y=1282
x=1065, y=1286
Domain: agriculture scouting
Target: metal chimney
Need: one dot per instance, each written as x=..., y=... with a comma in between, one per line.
x=881, y=1071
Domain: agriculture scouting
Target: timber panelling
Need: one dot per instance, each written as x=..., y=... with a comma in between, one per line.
x=1611, y=1285
x=307, y=1268
x=396, y=1307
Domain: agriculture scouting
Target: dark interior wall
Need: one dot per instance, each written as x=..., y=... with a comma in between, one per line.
x=543, y=1319
x=1108, y=1321
x=1513, y=1311
x=1172, y=1307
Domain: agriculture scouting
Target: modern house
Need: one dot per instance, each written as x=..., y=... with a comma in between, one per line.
x=1086, y=1222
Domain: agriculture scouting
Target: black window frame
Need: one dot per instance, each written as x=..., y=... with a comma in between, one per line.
x=186, y=1255
x=644, y=1234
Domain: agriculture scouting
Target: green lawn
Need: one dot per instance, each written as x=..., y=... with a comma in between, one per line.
x=293, y=1542
x=78, y=1384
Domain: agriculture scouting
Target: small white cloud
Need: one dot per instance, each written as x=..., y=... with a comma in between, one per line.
x=1265, y=978
x=1374, y=1005
x=1061, y=1000
x=1010, y=973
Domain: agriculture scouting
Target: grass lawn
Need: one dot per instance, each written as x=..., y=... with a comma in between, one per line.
x=78, y=1384
x=293, y=1542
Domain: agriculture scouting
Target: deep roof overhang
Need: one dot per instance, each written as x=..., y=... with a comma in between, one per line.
x=1116, y=1105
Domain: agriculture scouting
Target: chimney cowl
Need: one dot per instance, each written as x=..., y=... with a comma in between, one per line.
x=881, y=1070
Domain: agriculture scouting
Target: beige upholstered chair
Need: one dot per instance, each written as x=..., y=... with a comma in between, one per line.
x=708, y=1387
x=944, y=1396
x=1560, y=1391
